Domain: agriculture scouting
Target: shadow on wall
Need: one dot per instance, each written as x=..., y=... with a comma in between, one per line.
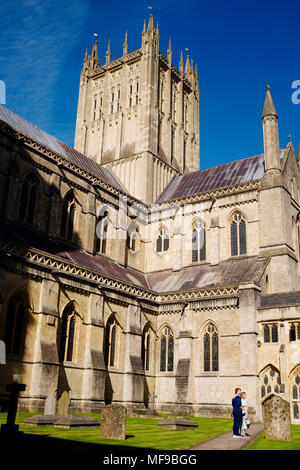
x=41, y=213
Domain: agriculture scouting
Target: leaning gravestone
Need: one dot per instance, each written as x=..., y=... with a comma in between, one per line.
x=63, y=405
x=50, y=404
x=113, y=422
x=277, y=419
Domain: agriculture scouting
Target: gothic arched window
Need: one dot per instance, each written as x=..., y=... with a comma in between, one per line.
x=133, y=236
x=146, y=348
x=198, y=242
x=238, y=235
x=68, y=216
x=110, y=338
x=15, y=324
x=270, y=381
x=211, y=348
x=101, y=232
x=295, y=396
x=162, y=242
x=166, y=350
x=28, y=199
x=67, y=334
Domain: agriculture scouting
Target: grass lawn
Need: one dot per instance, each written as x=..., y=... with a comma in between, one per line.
x=266, y=444
x=141, y=433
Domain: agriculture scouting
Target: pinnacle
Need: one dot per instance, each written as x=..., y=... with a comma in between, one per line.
x=269, y=108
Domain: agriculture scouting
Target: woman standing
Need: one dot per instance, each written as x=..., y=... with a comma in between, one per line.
x=245, y=418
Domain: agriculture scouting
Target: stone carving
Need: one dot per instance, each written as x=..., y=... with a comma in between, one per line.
x=277, y=419
x=113, y=422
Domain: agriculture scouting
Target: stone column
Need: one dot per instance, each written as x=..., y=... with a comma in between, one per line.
x=249, y=300
x=183, y=380
x=45, y=358
x=133, y=390
x=214, y=240
x=93, y=384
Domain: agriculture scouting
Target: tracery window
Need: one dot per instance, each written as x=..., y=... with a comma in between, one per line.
x=15, y=324
x=295, y=396
x=211, y=348
x=146, y=348
x=270, y=333
x=270, y=381
x=294, y=332
x=198, y=242
x=166, y=350
x=162, y=242
x=28, y=199
x=133, y=236
x=101, y=232
x=110, y=339
x=67, y=333
x=68, y=216
x=238, y=235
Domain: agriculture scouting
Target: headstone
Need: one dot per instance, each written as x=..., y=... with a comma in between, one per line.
x=177, y=424
x=113, y=422
x=63, y=405
x=277, y=419
x=151, y=410
x=77, y=421
x=11, y=428
x=50, y=404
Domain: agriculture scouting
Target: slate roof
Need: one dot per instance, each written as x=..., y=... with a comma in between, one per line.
x=25, y=127
x=286, y=298
x=227, y=273
x=208, y=179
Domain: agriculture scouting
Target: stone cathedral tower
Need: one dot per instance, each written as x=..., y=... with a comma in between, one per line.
x=139, y=115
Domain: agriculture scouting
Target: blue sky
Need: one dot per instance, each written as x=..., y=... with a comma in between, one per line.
x=239, y=48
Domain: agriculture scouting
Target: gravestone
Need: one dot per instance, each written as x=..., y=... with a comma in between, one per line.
x=277, y=419
x=11, y=429
x=63, y=405
x=177, y=424
x=113, y=422
x=50, y=404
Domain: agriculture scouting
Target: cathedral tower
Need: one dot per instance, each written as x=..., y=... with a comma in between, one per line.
x=139, y=115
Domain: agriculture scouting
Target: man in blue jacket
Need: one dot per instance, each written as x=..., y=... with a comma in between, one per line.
x=237, y=412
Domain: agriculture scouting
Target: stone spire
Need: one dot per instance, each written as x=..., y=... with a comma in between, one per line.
x=125, y=45
x=270, y=131
x=169, y=53
x=150, y=24
x=181, y=62
x=269, y=108
x=95, y=51
x=108, y=54
x=187, y=65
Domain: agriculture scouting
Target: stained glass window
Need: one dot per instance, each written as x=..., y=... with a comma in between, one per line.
x=271, y=333
x=28, y=199
x=238, y=235
x=146, y=348
x=68, y=216
x=67, y=334
x=211, y=348
x=166, y=350
x=110, y=342
x=101, y=233
x=295, y=331
x=198, y=242
x=15, y=324
x=270, y=381
x=162, y=242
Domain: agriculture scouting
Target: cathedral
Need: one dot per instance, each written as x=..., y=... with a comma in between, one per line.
x=130, y=276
